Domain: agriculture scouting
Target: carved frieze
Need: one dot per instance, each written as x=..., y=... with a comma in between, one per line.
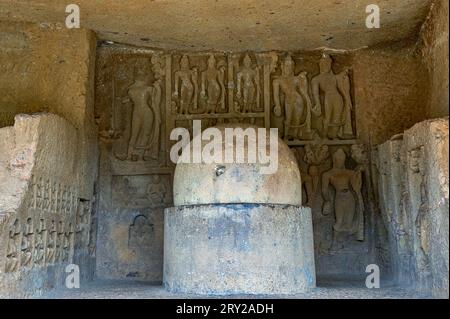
x=43, y=232
x=307, y=96
x=140, y=191
x=333, y=183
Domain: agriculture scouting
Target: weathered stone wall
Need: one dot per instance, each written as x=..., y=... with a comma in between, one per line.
x=47, y=67
x=51, y=68
x=382, y=91
x=43, y=224
x=413, y=168
x=434, y=49
x=414, y=201
x=391, y=89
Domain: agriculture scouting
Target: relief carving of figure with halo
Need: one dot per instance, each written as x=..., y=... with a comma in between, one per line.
x=144, y=139
x=348, y=210
x=248, y=88
x=331, y=95
x=186, y=87
x=297, y=104
x=213, y=86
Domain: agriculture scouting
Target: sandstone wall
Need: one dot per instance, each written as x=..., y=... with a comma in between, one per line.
x=391, y=88
x=434, y=49
x=43, y=223
x=386, y=87
x=413, y=188
x=48, y=68
x=51, y=68
x=45, y=68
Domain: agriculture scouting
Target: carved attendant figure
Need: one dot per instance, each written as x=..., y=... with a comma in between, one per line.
x=158, y=71
x=213, y=86
x=358, y=153
x=346, y=209
x=146, y=119
x=297, y=105
x=189, y=87
x=157, y=191
x=248, y=86
x=335, y=99
x=315, y=155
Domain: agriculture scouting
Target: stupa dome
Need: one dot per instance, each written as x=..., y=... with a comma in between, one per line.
x=222, y=182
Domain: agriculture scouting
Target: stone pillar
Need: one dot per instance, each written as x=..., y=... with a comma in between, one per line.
x=238, y=249
x=234, y=230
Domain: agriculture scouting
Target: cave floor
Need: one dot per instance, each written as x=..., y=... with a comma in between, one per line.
x=326, y=289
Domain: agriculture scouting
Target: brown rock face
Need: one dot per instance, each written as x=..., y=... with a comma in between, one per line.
x=233, y=25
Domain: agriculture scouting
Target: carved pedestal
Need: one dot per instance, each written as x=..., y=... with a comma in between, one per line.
x=238, y=249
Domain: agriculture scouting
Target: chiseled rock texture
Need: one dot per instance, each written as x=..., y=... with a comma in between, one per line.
x=49, y=68
x=39, y=189
x=238, y=249
x=434, y=49
x=201, y=183
x=38, y=143
x=234, y=24
x=414, y=199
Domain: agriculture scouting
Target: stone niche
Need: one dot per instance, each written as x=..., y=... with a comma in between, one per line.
x=143, y=94
x=412, y=174
x=44, y=224
x=238, y=230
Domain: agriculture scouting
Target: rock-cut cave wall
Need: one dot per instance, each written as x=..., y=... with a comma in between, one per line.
x=49, y=156
x=266, y=89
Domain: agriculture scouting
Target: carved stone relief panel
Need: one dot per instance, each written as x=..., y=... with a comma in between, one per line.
x=307, y=96
x=42, y=233
x=131, y=244
x=394, y=205
x=219, y=88
x=131, y=113
x=248, y=83
x=334, y=186
x=142, y=191
x=199, y=84
x=420, y=222
x=311, y=101
x=141, y=233
x=131, y=234
x=412, y=174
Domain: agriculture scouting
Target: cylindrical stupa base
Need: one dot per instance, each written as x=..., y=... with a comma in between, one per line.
x=238, y=249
